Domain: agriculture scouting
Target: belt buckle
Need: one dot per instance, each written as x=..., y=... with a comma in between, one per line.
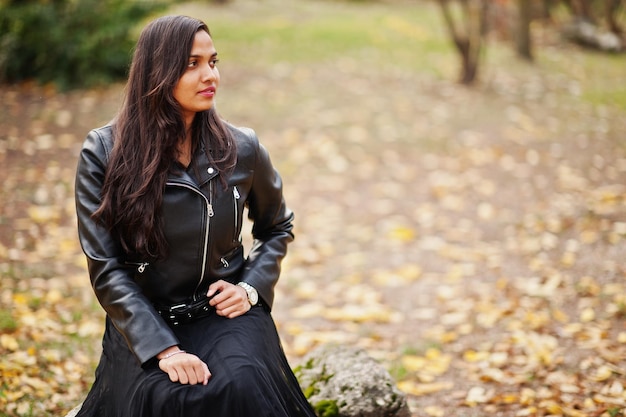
x=185, y=312
x=175, y=313
x=177, y=307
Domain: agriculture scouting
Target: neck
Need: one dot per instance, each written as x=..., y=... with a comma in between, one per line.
x=184, y=149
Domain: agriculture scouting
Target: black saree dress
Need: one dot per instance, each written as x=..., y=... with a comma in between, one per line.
x=250, y=374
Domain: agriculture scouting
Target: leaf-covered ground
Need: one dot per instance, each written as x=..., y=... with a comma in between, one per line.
x=474, y=241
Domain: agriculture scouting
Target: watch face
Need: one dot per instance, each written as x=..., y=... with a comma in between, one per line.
x=253, y=296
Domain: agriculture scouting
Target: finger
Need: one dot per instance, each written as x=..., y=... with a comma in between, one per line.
x=226, y=307
x=192, y=377
x=213, y=288
x=199, y=373
x=235, y=310
x=247, y=307
x=236, y=297
x=173, y=374
x=223, y=300
x=182, y=375
x=207, y=373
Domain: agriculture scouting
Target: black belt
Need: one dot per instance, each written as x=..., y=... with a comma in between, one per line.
x=184, y=313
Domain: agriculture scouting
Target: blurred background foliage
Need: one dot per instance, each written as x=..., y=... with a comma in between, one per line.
x=71, y=43
x=492, y=219
x=83, y=43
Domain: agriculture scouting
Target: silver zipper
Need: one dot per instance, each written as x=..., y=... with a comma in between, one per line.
x=224, y=262
x=236, y=196
x=210, y=213
x=142, y=267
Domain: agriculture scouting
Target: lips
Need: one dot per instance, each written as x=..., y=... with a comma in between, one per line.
x=207, y=92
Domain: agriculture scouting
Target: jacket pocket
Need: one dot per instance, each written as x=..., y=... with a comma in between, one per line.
x=232, y=262
x=140, y=267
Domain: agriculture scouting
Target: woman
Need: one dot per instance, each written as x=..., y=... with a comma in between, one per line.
x=160, y=194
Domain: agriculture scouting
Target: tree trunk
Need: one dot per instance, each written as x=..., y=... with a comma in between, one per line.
x=612, y=8
x=469, y=65
x=546, y=10
x=582, y=8
x=523, y=38
x=469, y=44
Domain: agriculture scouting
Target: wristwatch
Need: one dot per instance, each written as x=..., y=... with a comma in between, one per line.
x=253, y=296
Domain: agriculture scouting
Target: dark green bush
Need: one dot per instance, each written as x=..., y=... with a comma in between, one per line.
x=71, y=43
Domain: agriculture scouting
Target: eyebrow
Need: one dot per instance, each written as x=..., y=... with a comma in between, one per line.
x=214, y=54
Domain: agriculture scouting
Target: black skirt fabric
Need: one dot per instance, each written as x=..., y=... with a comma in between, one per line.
x=250, y=374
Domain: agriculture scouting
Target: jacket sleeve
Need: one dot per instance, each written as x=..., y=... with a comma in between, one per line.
x=272, y=224
x=122, y=299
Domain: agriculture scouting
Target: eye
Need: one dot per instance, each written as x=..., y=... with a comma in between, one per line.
x=192, y=63
x=213, y=62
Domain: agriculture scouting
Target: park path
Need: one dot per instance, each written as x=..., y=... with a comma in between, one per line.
x=471, y=240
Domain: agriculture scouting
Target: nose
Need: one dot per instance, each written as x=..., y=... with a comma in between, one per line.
x=209, y=74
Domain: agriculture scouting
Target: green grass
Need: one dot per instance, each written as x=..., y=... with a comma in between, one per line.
x=7, y=321
x=409, y=37
x=318, y=33
x=602, y=76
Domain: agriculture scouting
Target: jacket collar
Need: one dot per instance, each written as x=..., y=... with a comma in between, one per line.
x=206, y=170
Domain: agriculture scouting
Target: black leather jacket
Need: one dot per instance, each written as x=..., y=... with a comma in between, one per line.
x=202, y=224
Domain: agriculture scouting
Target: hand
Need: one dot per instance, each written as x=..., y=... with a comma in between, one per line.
x=185, y=368
x=229, y=300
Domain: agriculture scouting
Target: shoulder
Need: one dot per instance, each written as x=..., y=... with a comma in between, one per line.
x=99, y=142
x=247, y=142
x=244, y=136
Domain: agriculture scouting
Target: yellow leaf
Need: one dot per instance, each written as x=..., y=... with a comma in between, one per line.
x=571, y=412
x=527, y=396
x=9, y=342
x=23, y=408
x=587, y=315
x=20, y=299
x=499, y=359
x=413, y=363
x=560, y=316
x=36, y=383
x=90, y=328
x=602, y=374
x=434, y=411
x=551, y=406
x=507, y=398
x=43, y=214
x=530, y=411
x=448, y=337
x=54, y=296
x=13, y=396
x=616, y=389
x=361, y=314
x=417, y=389
x=403, y=234
x=493, y=375
x=308, y=310
x=477, y=395
x=568, y=259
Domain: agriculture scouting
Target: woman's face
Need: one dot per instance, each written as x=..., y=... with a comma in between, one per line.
x=196, y=88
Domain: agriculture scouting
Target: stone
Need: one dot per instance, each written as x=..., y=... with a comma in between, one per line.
x=341, y=381
x=587, y=34
x=346, y=382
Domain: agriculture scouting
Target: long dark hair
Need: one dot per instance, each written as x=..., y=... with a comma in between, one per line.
x=147, y=131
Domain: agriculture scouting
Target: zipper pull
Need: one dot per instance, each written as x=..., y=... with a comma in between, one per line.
x=142, y=267
x=224, y=262
x=236, y=193
x=210, y=210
